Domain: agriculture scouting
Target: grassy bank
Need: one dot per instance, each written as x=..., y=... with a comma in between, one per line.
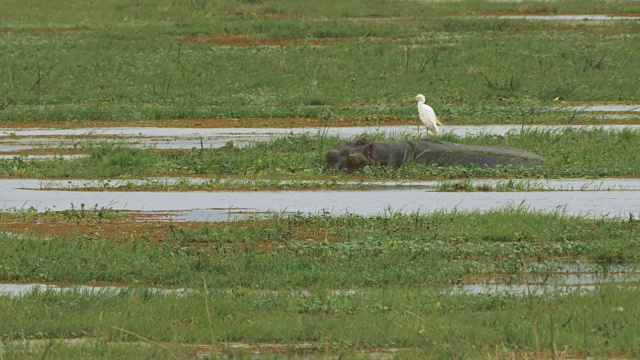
x=568, y=153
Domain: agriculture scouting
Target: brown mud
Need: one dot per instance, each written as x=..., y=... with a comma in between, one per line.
x=144, y=229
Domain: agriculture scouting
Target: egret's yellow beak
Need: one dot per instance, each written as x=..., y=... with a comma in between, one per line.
x=415, y=98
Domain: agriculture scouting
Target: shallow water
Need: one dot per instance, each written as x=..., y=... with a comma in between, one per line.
x=582, y=17
x=569, y=276
x=14, y=147
x=475, y=289
x=551, y=283
x=42, y=157
x=221, y=205
x=604, y=108
x=182, y=138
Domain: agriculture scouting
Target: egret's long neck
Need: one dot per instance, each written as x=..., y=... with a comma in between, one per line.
x=420, y=102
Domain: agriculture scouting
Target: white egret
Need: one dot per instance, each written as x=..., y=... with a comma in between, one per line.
x=427, y=115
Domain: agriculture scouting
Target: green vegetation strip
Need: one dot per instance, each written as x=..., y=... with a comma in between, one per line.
x=197, y=184
x=604, y=323
x=568, y=153
x=219, y=60
x=190, y=184
x=394, y=250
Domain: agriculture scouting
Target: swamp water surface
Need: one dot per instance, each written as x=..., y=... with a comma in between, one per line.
x=230, y=205
x=567, y=276
x=185, y=138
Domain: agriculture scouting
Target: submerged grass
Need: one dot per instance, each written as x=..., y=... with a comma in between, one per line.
x=507, y=185
x=191, y=184
x=566, y=153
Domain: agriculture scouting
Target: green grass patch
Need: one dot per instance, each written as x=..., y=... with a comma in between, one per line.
x=417, y=250
x=64, y=67
x=102, y=13
x=600, y=324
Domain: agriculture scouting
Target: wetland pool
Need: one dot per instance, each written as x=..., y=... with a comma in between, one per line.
x=212, y=206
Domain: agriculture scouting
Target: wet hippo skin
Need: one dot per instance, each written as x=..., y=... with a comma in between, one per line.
x=355, y=155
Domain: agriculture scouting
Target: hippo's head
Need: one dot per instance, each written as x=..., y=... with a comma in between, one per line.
x=349, y=157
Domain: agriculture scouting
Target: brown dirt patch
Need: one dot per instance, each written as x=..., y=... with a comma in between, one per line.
x=209, y=123
x=139, y=228
x=116, y=231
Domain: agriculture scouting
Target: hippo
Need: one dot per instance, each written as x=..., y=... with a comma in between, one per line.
x=353, y=156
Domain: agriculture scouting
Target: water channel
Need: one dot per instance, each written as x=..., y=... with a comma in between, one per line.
x=230, y=205
x=187, y=138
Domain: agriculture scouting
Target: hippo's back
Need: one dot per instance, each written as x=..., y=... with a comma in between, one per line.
x=450, y=154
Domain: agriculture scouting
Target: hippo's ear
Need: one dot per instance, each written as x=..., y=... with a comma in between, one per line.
x=368, y=151
x=332, y=161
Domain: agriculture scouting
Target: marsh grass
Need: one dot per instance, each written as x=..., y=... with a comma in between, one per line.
x=181, y=14
x=190, y=184
x=429, y=323
x=506, y=185
x=78, y=212
x=473, y=70
x=441, y=248
x=567, y=153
